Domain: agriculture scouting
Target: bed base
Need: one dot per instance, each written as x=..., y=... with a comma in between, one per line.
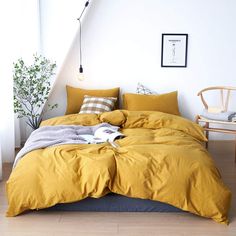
x=116, y=203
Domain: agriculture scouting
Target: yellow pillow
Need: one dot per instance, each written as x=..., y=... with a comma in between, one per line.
x=167, y=102
x=75, y=97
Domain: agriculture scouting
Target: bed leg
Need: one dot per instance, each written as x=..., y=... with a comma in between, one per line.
x=235, y=153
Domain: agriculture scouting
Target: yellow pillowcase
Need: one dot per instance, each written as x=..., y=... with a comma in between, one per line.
x=75, y=97
x=167, y=102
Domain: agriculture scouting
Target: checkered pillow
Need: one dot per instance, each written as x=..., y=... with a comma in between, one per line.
x=97, y=105
x=141, y=89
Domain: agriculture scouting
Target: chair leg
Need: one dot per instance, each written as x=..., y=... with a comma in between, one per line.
x=235, y=154
x=207, y=134
x=196, y=119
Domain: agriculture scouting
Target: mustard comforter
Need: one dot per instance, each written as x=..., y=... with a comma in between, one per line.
x=161, y=158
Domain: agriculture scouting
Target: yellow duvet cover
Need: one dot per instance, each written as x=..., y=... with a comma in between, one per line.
x=161, y=158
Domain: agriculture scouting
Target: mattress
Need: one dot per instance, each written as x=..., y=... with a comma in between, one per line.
x=116, y=203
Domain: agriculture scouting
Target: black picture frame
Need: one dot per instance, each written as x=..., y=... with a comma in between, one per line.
x=174, y=50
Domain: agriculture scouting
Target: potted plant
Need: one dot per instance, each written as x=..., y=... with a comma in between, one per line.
x=31, y=89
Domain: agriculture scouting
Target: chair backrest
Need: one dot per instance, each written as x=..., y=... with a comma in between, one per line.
x=224, y=93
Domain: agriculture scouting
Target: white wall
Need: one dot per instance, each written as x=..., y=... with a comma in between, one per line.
x=58, y=31
x=122, y=46
x=58, y=20
x=19, y=38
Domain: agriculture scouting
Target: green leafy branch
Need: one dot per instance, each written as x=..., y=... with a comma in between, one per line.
x=31, y=88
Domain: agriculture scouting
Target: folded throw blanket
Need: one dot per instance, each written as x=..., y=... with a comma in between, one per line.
x=222, y=116
x=47, y=136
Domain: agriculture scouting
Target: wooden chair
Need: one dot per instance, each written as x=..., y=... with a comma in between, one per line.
x=224, y=93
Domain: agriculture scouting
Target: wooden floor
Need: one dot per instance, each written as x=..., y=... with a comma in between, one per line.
x=44, y=223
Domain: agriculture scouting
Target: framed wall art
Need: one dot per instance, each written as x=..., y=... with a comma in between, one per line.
x=174, y=50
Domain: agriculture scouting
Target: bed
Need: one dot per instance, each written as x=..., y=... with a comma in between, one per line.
x=160, y=160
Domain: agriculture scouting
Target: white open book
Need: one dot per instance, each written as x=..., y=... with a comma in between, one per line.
x=102, y=134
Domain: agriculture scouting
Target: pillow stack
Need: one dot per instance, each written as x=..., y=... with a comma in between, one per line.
x=75, y=97
x=167, y=102
x=85, y=101
x=148, y=100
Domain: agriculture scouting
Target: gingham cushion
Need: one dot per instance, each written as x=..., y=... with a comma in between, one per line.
x=141, y=89
x=97, y=104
